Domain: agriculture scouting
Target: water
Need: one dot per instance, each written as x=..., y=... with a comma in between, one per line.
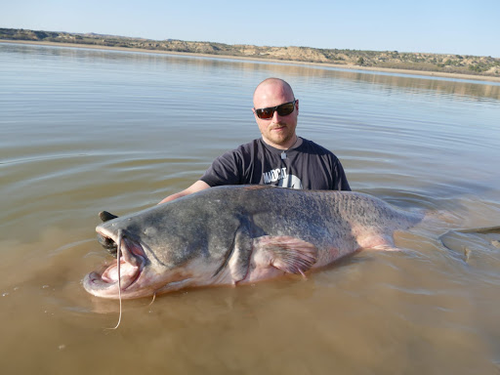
x=87, y=130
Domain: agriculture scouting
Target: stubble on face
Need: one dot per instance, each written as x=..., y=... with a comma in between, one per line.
x=279, y=131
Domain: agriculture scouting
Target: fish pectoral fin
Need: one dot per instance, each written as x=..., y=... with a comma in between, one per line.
x=286, y=253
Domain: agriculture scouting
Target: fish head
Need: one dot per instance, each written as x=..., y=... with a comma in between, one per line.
x=153, y=255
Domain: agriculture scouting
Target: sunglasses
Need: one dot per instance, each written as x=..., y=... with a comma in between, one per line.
x=283, y=110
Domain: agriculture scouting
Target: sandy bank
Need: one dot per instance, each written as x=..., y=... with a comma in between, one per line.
x=340, y=66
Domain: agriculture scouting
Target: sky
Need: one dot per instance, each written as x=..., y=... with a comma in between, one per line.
x=464, y=27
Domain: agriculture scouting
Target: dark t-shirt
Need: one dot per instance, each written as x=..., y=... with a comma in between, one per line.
x=308, y=166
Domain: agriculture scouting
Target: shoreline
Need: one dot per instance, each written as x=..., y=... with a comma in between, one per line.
x=329, y=65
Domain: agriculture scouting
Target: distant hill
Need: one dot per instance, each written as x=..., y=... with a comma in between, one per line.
x=464, y=64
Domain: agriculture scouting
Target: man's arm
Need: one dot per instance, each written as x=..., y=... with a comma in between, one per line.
x=225, y=170
x=197, y=186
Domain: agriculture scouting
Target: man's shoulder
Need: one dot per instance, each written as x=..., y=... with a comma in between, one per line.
x=313, y=147
x=244, y=151
x=252, y=144
x=247, y=148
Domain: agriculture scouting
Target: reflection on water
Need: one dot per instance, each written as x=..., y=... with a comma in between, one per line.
x=115, y=60
x=87, y=130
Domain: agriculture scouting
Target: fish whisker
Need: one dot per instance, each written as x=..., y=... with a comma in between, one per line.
x=118, y=254
x=154, y=298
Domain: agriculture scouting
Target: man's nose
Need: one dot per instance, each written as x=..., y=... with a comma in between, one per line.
x=276, y=117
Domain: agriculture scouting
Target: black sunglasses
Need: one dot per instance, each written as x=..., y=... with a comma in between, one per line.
x=283, y=110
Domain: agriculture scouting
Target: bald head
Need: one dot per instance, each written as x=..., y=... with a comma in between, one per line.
x=279, y=130
x=272, y=87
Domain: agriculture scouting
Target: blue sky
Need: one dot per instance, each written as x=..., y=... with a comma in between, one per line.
x=456, y=27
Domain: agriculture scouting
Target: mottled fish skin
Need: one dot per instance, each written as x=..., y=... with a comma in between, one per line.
x=242, y=234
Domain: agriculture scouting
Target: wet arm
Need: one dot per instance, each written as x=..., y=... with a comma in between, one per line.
x=197, y=186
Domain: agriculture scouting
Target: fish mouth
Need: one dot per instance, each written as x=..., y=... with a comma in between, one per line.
x=120, y=276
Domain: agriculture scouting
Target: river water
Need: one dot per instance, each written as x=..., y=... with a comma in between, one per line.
x=85, y=130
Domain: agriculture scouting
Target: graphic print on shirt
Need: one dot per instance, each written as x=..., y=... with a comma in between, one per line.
x=282, y=177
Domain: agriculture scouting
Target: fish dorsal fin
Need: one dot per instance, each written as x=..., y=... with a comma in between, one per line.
x=106, y=216
x=286, y=253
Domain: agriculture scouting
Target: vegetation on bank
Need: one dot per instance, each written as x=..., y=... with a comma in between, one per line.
x=465, y=64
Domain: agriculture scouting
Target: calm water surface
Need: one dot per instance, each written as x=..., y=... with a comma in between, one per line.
x=86, y=130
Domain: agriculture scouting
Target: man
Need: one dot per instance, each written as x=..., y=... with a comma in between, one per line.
x=280, y=157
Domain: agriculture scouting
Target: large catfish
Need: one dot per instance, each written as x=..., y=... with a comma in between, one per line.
x=238, y=235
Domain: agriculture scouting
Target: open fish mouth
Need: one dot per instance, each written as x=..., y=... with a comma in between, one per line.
x=121, y=275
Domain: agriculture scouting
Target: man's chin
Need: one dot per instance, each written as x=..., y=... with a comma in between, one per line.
x=277, y=141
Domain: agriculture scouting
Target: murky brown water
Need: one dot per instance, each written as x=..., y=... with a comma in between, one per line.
x=88, y=130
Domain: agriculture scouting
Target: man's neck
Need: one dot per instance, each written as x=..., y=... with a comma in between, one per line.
x=284, y=146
